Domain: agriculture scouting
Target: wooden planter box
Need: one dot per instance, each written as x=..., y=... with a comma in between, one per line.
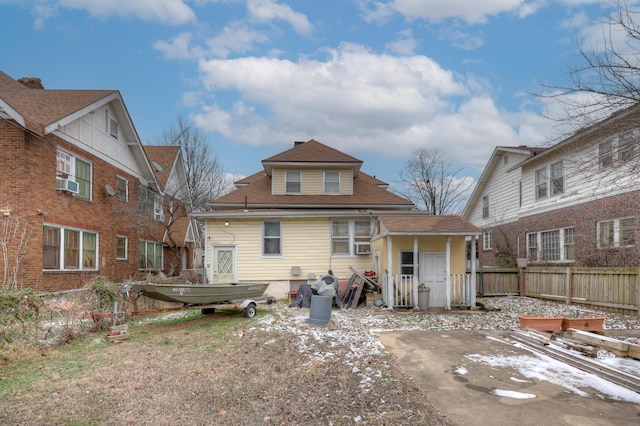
x=593, y=324
x=550, y=324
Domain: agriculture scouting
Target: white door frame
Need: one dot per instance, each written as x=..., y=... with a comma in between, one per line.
x=215, y=248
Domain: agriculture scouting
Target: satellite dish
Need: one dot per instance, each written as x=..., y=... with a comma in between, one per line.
x=157, y=166
x=110, y=190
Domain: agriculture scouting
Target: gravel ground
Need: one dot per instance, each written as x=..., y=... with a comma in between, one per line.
x=273, y=369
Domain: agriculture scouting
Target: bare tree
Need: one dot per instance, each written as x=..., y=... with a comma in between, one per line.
x=433, y=184
x=206, y=179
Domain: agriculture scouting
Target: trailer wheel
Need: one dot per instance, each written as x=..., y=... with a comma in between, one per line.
x=250, y=311
x=208, y=311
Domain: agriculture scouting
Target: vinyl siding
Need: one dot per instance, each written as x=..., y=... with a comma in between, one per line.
x=305, y=243
x=312, y=181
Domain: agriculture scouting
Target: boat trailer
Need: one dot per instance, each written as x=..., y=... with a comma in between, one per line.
x=248, y=306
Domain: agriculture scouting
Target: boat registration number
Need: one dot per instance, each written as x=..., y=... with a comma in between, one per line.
x=181, y=290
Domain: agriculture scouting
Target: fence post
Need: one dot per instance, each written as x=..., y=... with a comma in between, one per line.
x=521, y=280
x=638, y=291
x=568, y=284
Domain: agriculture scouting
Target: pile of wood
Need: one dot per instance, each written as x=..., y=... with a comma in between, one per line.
x=118, y=333
x=354, y=293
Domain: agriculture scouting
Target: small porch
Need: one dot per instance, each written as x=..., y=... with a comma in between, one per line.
x=416, y=250
x=405, y=291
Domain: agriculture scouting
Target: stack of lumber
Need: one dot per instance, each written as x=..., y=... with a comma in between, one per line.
x=118, y=333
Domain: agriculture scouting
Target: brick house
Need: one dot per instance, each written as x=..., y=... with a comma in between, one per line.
x=77, y=186
x=575, y=202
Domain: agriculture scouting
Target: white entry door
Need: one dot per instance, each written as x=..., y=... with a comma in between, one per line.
x=224, y=264
x=433, y=273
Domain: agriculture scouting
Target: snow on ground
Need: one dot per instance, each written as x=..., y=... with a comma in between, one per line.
x=351, y=336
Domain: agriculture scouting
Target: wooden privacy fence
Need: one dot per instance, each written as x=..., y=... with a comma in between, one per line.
x=608, y=289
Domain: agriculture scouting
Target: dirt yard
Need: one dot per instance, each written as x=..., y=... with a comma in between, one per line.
x=218, y=369
x=224, y=369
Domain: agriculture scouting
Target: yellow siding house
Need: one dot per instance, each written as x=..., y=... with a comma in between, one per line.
x=311, y=210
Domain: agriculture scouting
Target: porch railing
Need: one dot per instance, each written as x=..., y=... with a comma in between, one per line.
x=402, y=290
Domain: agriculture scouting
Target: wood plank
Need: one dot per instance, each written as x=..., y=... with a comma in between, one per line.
x=603, y=341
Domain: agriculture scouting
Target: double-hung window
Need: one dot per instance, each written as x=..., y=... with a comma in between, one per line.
x=406, y=263
x=616, y=233
x=485, y=207
x=605, y=154
x=293, y=182
x=122, y=244
x=69, y=249
x=550, y=180
x=346, y=234
x=150, y=204
x=150, y=255
x=332, y=182
x=122, y=191
x=487, y=240
x=616, y=150
x=555, y=245
x=75, y=169
x=271, y=238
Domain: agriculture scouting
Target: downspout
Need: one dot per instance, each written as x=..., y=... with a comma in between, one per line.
x=448, y=273
x=473, y=270
x=414, y=286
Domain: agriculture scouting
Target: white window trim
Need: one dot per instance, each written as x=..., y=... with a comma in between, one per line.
x=487, y=240
x=548, y=181
x=126, y=189
x=80, y=248
x=561, y=245
x=71, y=174
x=337, y=192
x=614, y=154
x=286, y=180
x=616, y=233
x=351, y=226
x=485, y=207
x=156, y=244
x=264, y=237
x=126, y=247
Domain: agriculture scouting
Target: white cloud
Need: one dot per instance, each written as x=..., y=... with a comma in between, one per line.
x=234, y=38
x=269, y=10
x=405, y=44
x=172, y=12
x=471, y=11
x=359, y=101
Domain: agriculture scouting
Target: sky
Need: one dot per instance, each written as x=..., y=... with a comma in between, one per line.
x=376, y=79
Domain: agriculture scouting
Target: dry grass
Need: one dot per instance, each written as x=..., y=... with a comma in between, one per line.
x=218, y=369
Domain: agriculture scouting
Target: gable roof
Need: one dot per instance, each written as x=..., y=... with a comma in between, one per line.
x=493, y=162
x=163, y=159
x=311, y=153
x=420, y=223
x=43, y=111
x=37, y=109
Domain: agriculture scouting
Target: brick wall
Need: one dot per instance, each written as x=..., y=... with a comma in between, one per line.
x=29, y=188
x=584, y=218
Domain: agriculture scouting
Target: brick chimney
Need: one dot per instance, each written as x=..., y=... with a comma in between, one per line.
x=32, y=82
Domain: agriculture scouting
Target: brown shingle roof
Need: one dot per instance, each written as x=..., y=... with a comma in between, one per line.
x=422, y=223
x=165, y=157
x=257, y=194
x=311, y=152
x=41, y=107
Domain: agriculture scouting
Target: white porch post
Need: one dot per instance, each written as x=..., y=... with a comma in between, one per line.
x=473, y=271
x=448, y=273
x=390, y=301
x=414, y=286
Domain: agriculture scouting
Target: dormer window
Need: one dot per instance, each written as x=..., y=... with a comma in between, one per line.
x=332, y=182
x=293, y=182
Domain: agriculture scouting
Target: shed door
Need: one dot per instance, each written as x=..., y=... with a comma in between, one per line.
x=224, y=264
x=433, y=274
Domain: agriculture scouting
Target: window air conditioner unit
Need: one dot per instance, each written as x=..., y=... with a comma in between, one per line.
x=67, y=185
x=363, y=248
